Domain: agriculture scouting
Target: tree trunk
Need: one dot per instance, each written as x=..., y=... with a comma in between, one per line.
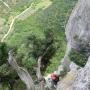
x=22, y=73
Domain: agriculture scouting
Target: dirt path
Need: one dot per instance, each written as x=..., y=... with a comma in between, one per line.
x=25, y=14
x=22, y=15
x=10, y=28
x=5, y=4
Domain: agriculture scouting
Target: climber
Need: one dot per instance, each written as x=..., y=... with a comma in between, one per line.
x=57, y=75
x=61, y=71
x=51, y=80
x=55, y=78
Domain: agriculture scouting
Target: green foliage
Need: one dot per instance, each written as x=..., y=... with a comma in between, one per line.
x=52, y=19
x=34, y=47
x=3, y=53
x=31, y=37
x=21, y=6
x=83, y=52
x=7, y=74
x=78, y=58
x=38, y=45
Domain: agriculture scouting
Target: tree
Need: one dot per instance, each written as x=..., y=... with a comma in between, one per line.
x=39, y=49
x=33, y=48
x=7, y=74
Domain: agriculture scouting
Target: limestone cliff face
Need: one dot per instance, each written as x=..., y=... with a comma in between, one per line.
x=78, y=26
x=76, y=79
x=68, y=80
x=77, y=31
x=82, y=80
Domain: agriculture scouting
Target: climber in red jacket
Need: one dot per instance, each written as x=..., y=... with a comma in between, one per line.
x=55, y=79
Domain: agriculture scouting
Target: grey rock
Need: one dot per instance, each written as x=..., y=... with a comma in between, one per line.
x=77, y=33
x=82, y=81
x=79, y=24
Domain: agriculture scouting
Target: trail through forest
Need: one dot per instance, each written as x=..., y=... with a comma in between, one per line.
x=21, y=15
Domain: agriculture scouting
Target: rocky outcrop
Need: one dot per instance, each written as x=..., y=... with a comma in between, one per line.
x=82, y=81
x=78, y=30
x=77, y=33
x=76, y=79
x=67, y=81
x=78, y=26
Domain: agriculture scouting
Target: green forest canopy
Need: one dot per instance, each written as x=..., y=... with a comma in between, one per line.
x=31, y=38
x=51, y=19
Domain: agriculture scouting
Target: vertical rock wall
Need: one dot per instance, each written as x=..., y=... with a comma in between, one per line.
x=78, y=28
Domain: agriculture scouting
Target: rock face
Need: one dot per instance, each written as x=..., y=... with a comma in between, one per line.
x=77, y=32
x=78, y=26
x=76, y=79
x=78, y=29
x=82, y=81
x=67, y=81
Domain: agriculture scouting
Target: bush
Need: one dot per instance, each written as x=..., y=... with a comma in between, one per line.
x=3, y=53
x=77, y=57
